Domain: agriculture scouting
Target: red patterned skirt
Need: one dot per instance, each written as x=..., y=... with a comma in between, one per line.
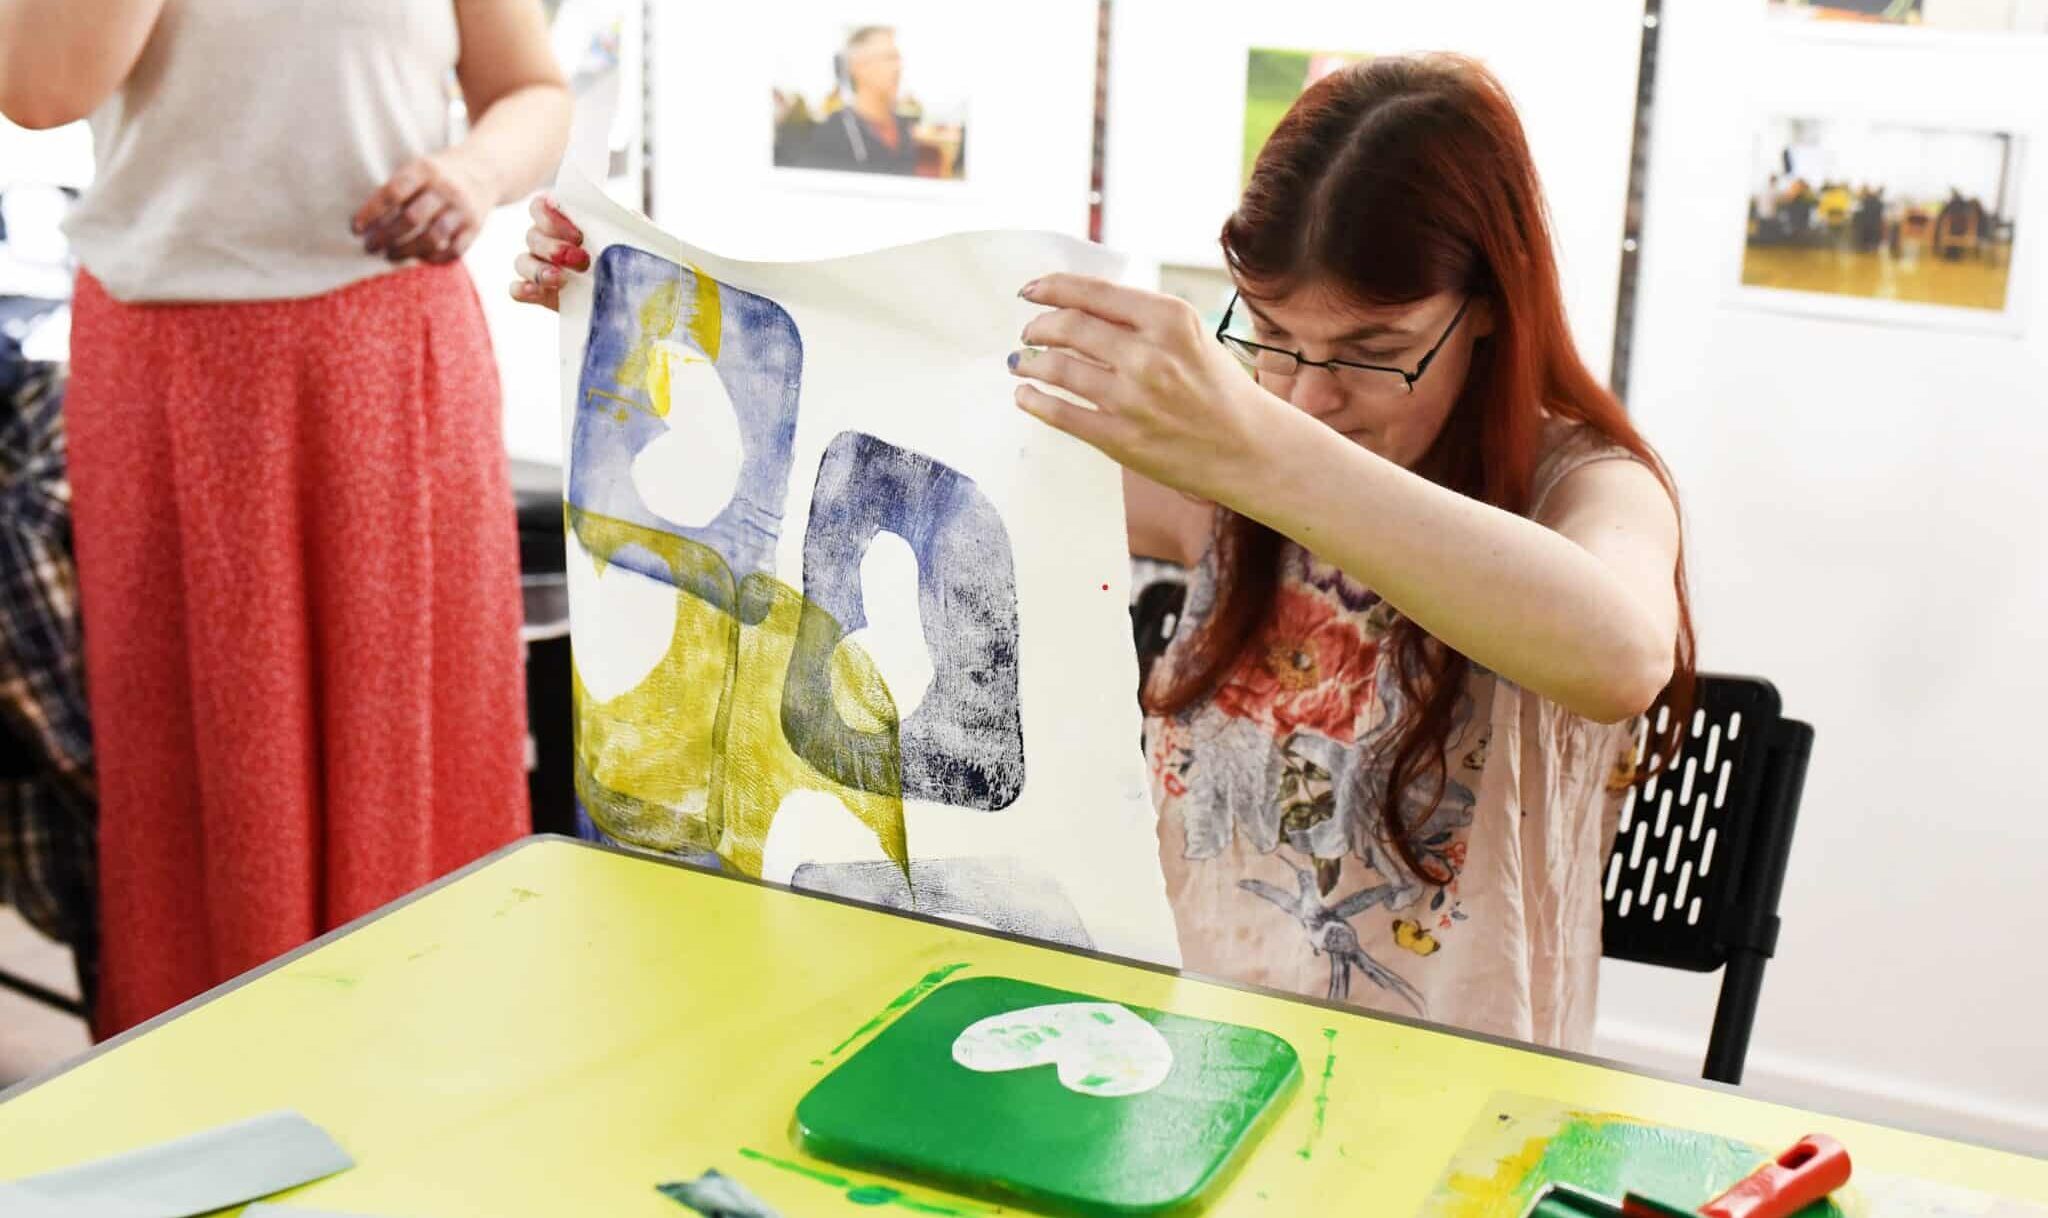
x=299, y=574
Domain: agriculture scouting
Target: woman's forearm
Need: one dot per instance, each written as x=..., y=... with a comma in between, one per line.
x=1164, y=524
x=59, y=59
x=1515, y=596
x=517, y=141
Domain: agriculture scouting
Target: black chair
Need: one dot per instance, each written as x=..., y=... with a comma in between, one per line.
x=543, y=563
x=1699, y=860
x=1155, y=615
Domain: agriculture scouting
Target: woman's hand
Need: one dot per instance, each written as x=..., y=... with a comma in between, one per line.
x=430, y=210
x=1170, y=403
x=554, y=247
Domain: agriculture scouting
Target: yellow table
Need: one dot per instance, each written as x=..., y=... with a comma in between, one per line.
x=560, y=1028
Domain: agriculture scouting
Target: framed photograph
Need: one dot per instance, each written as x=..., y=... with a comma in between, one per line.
x=1951, y=16
x=1273, y=80
x=873, y=100
x=1884, y=221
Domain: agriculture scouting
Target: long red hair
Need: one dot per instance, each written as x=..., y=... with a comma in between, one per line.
x=1389, y=182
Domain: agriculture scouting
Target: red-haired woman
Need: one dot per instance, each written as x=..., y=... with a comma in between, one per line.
x=1440, y=579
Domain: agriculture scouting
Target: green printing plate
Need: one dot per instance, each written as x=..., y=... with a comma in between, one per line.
x=999, y=1088
x=1563, y=1201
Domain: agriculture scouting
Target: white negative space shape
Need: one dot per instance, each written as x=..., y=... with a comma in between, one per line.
x=689, y=473
x=1098, y=1048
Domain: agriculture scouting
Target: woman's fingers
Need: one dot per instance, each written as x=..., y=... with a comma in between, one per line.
x=548, y=218
x=1146, y=312
x=1088, y=426
x=446, y=238
x=556, y=250
x=404, y=224
x=1103, y=342
x=545, y=275
x=1077, y=376
x=526, y=291
x=415, y=226
x=398, y=235
x=404, y=185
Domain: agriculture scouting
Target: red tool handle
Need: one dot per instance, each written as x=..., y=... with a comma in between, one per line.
x=1817, y=1166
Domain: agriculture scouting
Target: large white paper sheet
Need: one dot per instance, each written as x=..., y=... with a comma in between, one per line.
x=841, y=614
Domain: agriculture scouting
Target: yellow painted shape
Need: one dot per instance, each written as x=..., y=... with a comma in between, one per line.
x=651, y=749
x=694, y=756
x=1474, y=1195
x=649, y=364
x=761, y=769
x=707, y=317
x=509, y=1056
x=659, y=314
x=859, y=694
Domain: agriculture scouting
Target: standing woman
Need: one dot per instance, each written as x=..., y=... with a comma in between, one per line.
x=297, y=551
x=1441, y=579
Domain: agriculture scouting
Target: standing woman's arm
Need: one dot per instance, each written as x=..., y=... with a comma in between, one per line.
x=59, y=59
x=519, y=109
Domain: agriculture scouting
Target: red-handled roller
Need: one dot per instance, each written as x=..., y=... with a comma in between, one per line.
x=1817, y=1166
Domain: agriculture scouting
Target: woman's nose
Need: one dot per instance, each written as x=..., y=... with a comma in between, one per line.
x=1317, y=393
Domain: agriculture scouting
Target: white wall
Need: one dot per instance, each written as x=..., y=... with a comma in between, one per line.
x=1177, y=71
x=61, y=157
x=1869, y=518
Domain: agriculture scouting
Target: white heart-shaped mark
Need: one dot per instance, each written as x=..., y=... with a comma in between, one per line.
x=1098, y=1048
x=688, y=474
x=620, y=624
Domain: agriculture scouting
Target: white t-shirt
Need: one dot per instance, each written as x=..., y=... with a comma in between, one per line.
x=231, y=161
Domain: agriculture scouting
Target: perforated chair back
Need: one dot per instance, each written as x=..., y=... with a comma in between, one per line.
x=1701, y=849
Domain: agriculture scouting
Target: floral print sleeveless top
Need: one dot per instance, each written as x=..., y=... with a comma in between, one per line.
x=1276, y=845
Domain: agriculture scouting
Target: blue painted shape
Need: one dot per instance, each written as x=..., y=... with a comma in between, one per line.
x=760, y=363
x=964, y=744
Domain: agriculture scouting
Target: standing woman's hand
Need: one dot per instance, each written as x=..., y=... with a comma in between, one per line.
x=519, y=107
x=554, y=248
x=1171, y=404
x=431, y=211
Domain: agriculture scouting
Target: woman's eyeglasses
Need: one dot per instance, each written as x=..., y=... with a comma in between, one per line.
x=1277, y=361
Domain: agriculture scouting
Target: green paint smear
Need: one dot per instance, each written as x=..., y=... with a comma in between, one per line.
x=1610, y=1156
x=864, y=1194
x=1613, y=1157
x=1322, y=1102
x=809, y=1173
x=926, y=985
